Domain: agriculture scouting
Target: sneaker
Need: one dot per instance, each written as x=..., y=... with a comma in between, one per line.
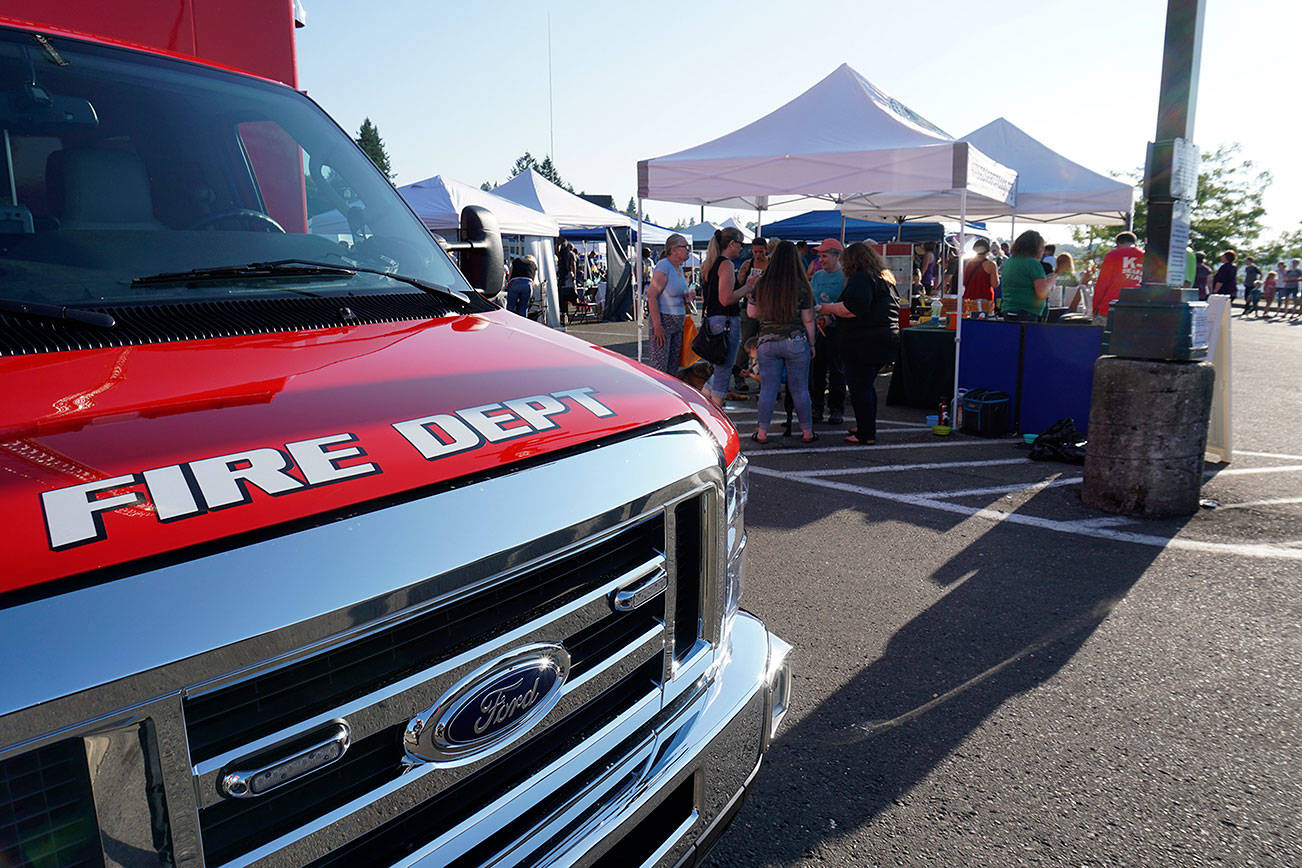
x=835, y=419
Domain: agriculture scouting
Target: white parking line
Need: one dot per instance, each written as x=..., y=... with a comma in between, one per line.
x=800, y=450
x=1277, y=501
x=1248, y=471
x=1009, y=489
x=1268, y=455
x=1085, y=527
x=892, y=468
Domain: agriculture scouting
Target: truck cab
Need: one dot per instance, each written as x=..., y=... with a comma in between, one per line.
x=315, y=556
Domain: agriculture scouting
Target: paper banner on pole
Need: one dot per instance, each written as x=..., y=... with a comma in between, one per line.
x=1220, y=436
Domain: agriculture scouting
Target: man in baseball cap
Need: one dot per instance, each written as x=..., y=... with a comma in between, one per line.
x=825, y=377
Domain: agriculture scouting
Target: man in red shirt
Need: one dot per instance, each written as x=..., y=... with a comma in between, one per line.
x=1123, y=268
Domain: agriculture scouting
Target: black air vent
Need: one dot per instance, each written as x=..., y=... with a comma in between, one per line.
x=201, y=320
x=687, y=613
x=47, y=816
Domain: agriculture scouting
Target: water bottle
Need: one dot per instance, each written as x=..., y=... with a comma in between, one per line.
x=936, y=310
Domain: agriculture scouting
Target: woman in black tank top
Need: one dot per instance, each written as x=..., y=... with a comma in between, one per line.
x=722, y=303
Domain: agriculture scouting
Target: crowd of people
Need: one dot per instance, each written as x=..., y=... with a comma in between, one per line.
x=812, y=325
x=817, y=323
x=576, y=272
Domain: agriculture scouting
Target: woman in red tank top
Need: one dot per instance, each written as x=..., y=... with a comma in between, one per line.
x=980, y=275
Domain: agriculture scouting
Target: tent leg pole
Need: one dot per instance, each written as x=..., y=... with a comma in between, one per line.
x=637, y=271
x=899, y=228
x=958, y=306
x=843, y=229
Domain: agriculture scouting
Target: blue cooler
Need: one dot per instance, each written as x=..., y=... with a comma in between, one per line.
x=986, y=412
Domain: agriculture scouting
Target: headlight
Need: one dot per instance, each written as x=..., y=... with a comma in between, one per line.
x=736, y=491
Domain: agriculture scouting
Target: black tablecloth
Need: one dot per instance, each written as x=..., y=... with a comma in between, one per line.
x=924, y=371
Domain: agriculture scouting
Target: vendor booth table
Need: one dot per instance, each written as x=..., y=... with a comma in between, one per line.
x=1047, y=369
x=924, y=370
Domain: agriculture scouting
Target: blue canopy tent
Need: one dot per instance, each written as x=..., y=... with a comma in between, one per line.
x=817, y=225
x=655, y=235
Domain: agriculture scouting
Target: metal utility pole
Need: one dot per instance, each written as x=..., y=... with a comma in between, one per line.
x=1152, y=394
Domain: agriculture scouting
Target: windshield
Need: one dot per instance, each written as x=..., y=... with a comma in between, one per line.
x=120, y=166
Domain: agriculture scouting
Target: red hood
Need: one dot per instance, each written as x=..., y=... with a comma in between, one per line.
x=157, y=415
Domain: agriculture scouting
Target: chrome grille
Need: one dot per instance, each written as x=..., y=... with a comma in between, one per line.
x=242, y=712
x=378, y=680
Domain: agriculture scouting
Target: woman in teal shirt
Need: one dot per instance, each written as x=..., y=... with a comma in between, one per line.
x=1023, y=284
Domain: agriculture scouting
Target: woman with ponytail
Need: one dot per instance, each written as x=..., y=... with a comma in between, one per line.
x=722, y=294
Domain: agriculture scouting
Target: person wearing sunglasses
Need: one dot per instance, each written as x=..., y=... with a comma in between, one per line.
x=666, y=301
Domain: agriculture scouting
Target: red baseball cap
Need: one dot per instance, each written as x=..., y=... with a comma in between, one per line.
x=830, y=244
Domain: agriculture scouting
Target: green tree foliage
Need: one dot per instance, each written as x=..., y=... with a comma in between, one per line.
x=1227, y=214
x=523, y=163
x=1287, y=246
x=368, y=139
x=544, y=167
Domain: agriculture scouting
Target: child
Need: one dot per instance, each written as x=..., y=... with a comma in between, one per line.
x=751, y=372
x=1268, y=290
x=1250, y=299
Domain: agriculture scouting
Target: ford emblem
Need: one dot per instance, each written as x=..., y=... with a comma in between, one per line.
x=490, y=707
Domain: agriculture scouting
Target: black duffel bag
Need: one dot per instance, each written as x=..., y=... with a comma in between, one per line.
x=712, y=348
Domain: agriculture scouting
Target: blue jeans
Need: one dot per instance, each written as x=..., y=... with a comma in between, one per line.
x=723, y=373
x=517, y=301
x=792, y=355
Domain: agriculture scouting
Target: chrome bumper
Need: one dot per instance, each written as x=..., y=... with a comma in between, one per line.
x=668, y=800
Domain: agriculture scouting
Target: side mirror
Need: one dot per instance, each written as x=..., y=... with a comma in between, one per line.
x=481, y=250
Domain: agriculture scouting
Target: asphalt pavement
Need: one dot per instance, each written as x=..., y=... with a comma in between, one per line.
x=991, y=673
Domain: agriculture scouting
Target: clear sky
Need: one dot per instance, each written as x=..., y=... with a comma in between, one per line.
x=462, y=89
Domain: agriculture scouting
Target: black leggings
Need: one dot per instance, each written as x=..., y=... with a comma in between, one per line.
x=861, y=379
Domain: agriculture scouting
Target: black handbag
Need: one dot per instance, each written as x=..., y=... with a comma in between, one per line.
x=712, y=348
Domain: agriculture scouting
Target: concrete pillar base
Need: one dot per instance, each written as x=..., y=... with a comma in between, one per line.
x=1147, y=436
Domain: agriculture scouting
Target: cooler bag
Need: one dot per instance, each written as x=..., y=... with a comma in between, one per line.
x=986, y=412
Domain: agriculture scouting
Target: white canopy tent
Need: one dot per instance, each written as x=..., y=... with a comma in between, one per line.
x=841, y=138
x=438, y=201
x=1050, y=187
x=731, y=223
x=701, y=233
x=844, y=141
x=570, y=211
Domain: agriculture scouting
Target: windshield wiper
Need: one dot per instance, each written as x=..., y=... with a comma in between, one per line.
x=57, y=311
x=423, y=285
x=291, y=268
x=253, y=270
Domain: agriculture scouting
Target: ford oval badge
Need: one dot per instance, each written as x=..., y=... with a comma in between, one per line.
x=489, y=708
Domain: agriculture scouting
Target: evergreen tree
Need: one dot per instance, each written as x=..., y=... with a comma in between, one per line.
x=631, y=208
x=488, y=186
x=523, y=164
x=368, y=139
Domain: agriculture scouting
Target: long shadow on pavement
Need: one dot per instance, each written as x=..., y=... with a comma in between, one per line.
x=1013, y=616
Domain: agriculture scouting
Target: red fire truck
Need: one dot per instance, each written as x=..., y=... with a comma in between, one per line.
x=313, y=555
